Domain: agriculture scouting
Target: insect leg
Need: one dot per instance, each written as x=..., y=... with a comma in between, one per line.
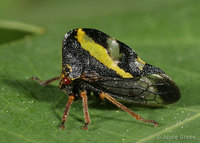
x=66, y=112
x=129, y=111
x=85, y=109
x=44, y=83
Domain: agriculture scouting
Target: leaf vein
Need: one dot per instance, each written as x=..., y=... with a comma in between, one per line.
x=18, y=135
x=170, y=128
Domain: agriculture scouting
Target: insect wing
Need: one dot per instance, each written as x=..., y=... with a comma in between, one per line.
x=150, y=89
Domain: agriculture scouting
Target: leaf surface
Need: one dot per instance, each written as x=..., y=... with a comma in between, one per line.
x=163, y=33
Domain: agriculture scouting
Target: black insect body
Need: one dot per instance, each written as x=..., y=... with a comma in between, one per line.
x=94, y=62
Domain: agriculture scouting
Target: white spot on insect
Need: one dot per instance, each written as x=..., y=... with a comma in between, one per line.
x=139, y=64
x=113, y=49
x=148, y=81
x=68, y=33
x=157, y=75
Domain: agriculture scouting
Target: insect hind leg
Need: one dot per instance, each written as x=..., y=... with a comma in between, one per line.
x=129, y=111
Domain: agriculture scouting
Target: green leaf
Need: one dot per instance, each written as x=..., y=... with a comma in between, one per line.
x=12, y=31
x=164, y=33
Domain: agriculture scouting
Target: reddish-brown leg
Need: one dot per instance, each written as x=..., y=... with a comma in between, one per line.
x=85, y=110
x=129, y=111
x=44, y=83
x=66, y=112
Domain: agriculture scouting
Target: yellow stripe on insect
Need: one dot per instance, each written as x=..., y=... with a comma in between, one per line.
x=100, y=53
x=139, y=63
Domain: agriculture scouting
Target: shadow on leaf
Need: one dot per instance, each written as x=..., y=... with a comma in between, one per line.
x=33, y=90
x=9, y=35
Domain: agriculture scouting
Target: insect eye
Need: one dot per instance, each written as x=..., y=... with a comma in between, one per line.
x=66, y=81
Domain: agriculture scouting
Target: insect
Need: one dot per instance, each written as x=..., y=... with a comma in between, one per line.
x=94, y=62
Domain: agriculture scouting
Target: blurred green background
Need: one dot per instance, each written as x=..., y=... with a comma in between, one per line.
x=164, y=33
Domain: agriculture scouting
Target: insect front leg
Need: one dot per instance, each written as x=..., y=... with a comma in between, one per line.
x=129, y=111
x=85, y=110
x=44, y=83
x=66, y=112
